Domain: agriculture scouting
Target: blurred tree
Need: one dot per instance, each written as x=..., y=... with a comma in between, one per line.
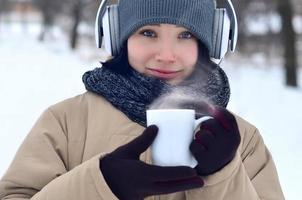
x=249, y=11
x=77, y=8
x=49, y=11
x=3, y=8
x=241, y=8
x=289, y=41
x=72, y=9
x=77, y=13
x=270, y=41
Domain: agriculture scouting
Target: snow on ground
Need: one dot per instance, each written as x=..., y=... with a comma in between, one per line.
x=35, y=75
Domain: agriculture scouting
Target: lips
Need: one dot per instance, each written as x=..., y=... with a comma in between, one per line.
x=164, y=74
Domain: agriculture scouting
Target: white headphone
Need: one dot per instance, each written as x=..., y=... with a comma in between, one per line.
x=225, y=29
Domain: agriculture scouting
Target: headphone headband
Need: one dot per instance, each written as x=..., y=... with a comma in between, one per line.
x=234, y=24
x=99, y=33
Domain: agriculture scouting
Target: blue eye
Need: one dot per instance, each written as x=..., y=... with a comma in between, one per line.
x=186, y=35
x=148, y=33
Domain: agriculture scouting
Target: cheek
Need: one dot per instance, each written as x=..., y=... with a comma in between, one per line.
x=190, y=56
x=137, y=55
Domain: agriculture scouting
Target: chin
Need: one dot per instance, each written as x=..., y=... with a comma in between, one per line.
x=173, y=82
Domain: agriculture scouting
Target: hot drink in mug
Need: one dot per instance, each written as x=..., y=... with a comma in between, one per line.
x=176, y=132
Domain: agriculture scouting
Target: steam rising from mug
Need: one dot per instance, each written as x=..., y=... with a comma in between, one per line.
x=208, y=85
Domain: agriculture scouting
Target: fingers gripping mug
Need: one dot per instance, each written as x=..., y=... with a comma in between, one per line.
x=176, y=131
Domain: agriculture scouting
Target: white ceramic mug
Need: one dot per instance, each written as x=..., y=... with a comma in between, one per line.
x=176, y=132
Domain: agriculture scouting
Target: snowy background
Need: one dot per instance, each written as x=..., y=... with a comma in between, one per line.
x=35, y=75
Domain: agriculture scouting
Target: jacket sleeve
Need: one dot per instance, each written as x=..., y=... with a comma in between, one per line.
x=261, y=170
x=251, y=175
x=40, y=168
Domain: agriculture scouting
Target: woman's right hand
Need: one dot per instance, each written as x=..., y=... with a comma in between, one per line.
x=131, y=179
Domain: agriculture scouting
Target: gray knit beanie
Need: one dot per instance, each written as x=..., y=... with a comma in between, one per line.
x=195, y=15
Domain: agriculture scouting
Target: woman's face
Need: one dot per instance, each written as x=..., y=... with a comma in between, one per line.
x=165, y=51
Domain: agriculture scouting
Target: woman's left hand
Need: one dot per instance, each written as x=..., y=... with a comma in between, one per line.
x=216, y=142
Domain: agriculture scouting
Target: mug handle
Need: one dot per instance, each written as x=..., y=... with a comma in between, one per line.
x=197, y=123
x=200, y=120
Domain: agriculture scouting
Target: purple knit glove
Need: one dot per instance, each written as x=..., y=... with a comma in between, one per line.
x=216, y=142
x=131, y=179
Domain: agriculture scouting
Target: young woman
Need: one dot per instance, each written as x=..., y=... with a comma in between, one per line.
x=96, y=145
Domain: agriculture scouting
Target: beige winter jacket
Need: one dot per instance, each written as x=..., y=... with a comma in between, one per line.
x=59, y=159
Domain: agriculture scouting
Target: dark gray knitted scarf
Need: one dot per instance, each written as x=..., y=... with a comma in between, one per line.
x=132, y=93
x=129, y=93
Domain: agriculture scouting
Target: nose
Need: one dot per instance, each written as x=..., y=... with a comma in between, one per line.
x=166, y=52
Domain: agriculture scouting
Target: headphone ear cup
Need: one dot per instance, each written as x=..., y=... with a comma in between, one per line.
x=114, y=29
x=217, y=34
x=107, y=28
